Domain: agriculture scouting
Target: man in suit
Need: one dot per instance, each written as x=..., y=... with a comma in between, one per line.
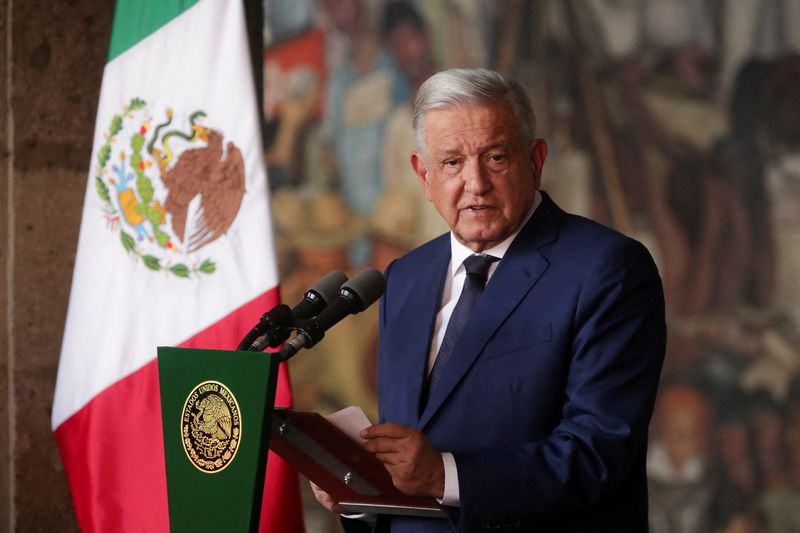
x=525, y=406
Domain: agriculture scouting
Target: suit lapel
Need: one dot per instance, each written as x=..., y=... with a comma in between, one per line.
x=423, y=309
x=521, y=267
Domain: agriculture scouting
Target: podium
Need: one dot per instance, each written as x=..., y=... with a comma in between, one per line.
x=216, y=408
x=218, y=417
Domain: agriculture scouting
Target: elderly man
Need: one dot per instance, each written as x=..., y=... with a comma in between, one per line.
x=520, y=352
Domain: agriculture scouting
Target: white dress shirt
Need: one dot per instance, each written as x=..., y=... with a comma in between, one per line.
x=453, y=285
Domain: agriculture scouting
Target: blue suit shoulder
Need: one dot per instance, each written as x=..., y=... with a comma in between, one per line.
x=420, y=256
x=559, y=236
x=588, y=242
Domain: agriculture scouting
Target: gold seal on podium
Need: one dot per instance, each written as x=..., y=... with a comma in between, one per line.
x=211, y=427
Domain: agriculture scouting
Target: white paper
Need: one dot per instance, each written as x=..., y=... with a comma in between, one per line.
x=351, y=420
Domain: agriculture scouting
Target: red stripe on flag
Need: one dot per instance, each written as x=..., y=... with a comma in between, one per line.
x=113, y=447
x=113, y=453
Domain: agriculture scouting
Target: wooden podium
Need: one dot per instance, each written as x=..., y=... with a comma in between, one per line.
x=218, y=415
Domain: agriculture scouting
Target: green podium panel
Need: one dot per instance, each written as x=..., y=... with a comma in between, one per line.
x=216, y=409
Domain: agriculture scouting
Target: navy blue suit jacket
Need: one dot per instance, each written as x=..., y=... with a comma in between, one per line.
x=546, y=401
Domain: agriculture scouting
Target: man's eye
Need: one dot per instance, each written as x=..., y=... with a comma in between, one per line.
x=497, y=162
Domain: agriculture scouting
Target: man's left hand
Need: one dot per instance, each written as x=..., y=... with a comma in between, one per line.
x=415, y=465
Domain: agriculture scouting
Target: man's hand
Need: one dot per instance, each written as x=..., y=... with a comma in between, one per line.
x=324, y=498
x=412, y=461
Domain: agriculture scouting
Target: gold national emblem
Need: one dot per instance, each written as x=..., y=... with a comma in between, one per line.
x=211, y=427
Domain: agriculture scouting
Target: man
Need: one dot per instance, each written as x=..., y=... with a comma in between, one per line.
x=535, y=417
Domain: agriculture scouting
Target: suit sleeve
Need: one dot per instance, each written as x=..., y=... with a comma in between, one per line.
x=616, y=353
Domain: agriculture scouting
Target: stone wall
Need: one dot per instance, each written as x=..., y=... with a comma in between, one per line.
x=53, y=53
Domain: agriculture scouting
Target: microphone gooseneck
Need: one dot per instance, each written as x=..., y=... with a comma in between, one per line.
x=276, y=325
x=354, y=296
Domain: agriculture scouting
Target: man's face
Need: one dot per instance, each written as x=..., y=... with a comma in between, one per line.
x=478, y=171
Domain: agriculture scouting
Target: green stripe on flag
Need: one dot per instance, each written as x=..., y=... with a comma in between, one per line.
x=136, y=19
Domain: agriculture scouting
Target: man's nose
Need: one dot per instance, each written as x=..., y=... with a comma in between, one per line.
x=476, y=177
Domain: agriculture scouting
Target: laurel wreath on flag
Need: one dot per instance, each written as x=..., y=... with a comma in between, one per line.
x=146, y=207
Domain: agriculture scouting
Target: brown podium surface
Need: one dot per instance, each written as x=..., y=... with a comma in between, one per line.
x=340, y=466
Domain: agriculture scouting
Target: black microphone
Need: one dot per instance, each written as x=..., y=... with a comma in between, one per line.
x=355, y=296
x=274, y=326
x=319, y=295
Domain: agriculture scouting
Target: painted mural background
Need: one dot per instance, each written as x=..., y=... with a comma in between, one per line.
x=674, y=121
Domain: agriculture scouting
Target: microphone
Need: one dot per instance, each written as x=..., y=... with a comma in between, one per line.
x=355, y=296
x=319, y=295
x=274, y=326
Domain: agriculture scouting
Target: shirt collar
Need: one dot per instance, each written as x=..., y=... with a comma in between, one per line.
x=459, y=252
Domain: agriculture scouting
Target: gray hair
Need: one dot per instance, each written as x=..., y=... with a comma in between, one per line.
x=472, y=86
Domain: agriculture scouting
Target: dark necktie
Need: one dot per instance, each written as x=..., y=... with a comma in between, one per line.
x=477, y=267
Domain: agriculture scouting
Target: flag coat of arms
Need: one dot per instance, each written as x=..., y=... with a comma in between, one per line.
x=175, y=249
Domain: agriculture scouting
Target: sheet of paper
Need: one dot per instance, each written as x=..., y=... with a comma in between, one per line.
x=351, y=420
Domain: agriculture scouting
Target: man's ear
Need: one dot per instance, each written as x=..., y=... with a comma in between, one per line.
x=421, y=170
x=538, y=153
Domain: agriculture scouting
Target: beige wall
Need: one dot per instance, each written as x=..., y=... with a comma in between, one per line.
x=53, y=54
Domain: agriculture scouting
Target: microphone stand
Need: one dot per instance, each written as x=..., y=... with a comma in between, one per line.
x=270, y=331
x=275, y=327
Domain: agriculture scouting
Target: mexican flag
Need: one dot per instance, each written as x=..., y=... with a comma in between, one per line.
x=175, y=249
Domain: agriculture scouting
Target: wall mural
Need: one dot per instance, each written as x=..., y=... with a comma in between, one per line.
x=674, y=121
